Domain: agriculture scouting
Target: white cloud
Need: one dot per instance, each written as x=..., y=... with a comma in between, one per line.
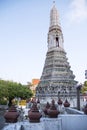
x=78, y=11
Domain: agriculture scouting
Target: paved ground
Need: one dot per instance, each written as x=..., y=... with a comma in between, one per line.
x=2, y=120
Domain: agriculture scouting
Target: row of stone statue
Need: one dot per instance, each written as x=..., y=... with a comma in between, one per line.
x=34, y=115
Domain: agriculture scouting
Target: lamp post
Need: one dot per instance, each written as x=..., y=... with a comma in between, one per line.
x=78, y=87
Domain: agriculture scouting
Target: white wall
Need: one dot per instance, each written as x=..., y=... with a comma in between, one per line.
x=74, y=122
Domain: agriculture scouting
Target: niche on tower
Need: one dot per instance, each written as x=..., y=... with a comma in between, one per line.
x=57, y=41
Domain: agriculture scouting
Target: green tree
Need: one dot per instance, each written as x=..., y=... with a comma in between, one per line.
x=10, y=90
x=3, y=89
x=84, y=88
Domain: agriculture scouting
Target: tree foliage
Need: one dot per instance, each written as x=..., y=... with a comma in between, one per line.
x=84, y=88
x=10, y=90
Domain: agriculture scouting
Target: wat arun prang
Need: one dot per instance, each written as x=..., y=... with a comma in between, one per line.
x=57, y=79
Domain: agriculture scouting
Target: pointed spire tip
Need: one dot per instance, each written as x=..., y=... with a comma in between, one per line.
x=54, y=2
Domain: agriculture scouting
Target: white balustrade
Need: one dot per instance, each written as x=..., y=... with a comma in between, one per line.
x=45, y=124
x=63, y=122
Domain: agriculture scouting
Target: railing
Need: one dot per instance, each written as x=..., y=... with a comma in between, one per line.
x=45, y=124
x=73, y=111
x=63, y=122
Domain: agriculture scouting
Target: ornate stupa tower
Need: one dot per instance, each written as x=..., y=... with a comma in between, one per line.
x=57, y=78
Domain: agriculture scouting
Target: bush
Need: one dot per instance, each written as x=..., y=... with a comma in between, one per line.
x=3, y=102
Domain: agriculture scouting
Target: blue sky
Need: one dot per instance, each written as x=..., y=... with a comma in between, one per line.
x=24, y=26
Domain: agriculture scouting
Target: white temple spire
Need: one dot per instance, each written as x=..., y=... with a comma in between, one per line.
x=54, y=16
x=56, y=73
x=55, y=36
